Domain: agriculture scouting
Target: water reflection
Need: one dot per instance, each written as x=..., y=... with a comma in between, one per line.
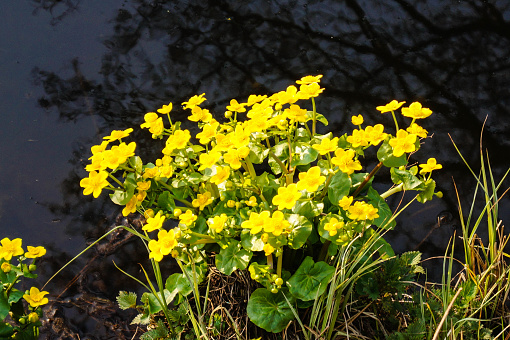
x=451, y=56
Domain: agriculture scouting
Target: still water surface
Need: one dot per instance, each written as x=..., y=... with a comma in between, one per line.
x=71, y=71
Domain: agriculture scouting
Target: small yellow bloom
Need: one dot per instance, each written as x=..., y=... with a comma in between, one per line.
x=194, y=101
x=155, y=222
x=310, y=180
x=295, y=113
x=207, y=160
x=345, y=202
x=333, y=226
x=277, y=224
x=416, y=111
x=404, y=142
x=208, y=132
x=252, y=202
x=256, y=222
x=118, y=134
x=235, y=106
x=34, y=252
x=345, y=161
x=36, y=298
x=187, y=218
x=217, y=223
x=326, y=146
x=167, y=240
x=430, y=166
x=202, y=200
x=222, y=174
x=289, y=96
x=357, y=120
x=6, y=267
x=286, y=197
x=358, y=138
x=252, y=99
x=233, y=157
x=309, y=80
x=95, y=183
x=165, y=109
x=155, y=250
x=130, y=206
x=308, y=91
x=199, y=114
x=362, y=211
x=375, y=134
x=143, y=185
x=268, y=249
x=33, y=317
x=417, y=130
x=10, y=248
x=391, y=106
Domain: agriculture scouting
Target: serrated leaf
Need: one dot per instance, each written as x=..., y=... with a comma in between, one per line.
x=270, y=311
x=310, y=280
x=232, y=257
x=126, y=300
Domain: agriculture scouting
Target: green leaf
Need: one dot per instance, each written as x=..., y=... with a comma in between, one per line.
x=159, y=332
x=136, y=163
x=251, y=242
x=339, y=187
x=120, y=197
x=311, y=279
x=152, y=303
x=257, y=153
x=383, y=210
x=303, y=153
x=428, y=191
x=166, y=202
x=405, y=176
x=15, y=295
x=309, y=209
x=4, y=306
x=6, y=330
x=301, y=229
x=270, y=311
x=385, y=155
x=126, y=300
x=318, y=117
x=178, y=282
x=233, y=257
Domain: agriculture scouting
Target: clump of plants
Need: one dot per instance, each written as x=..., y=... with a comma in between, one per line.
x=261, y=190
x=20, y=311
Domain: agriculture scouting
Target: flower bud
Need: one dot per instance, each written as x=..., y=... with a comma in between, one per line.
x=231, y=203
x=33, y=317
x=32, y=267
x=228, y=114
x=278, y=281
x=6, y=267
x=177, y=212
x=274, y=290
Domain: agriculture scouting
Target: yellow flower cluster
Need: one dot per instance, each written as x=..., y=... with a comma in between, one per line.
x=166, y=242
x=11, y=248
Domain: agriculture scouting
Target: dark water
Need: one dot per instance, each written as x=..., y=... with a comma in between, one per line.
x=71, y=71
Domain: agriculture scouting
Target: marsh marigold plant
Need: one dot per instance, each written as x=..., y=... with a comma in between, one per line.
x=259, y=184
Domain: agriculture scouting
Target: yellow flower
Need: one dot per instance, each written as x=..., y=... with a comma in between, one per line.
x=165, y=109
x=155, y=222
x=403, y=143
x=333, y=226
x=391, y=106
x=223, y=142
x=99, y=148
x=199, y=114
x=416, y=111
x=326, y=146
x=233, y=156
x=240, y=137
x=35, y=252
x=217, y=223
x=202, y=200
x=268, y=249
x=235, y=106
x=252, y=202
x=429, y=166
x=357, y=120
x=256, y=222
x=194, y=101
x=344, y=159
x=375, y=134
x=310, y=180
x=208, y=132
x=362, y=211
x=286, y=197
x=167, y=240
x=178, y=140
x=307, y=91
x=95, y=183
x=207, y=160
x=36, y=298
x=358, y=138
x=277, y=224
x=345, y=202
x=187, y=218
x=417, y=130
x=143, y=185
x=252, y=99
x=222, y=174
x=6, y=267
x=150, y=172
x=10, y=248
x=155, y=250
x=288, y=96
x=309, y=80
x=295, y=113
x=130, y=206
x=33, y=317
x=118, y=134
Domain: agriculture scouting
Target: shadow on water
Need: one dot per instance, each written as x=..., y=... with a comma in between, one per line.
x=451, y=56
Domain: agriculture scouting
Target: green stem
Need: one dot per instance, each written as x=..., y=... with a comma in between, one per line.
x=280, y=163
x=314, y=118
x=116, y=180
x=393, y=190
x=270, y=260
x=395, y=120
x=279, y=265
x=251, y=169
x=325, y=189
x=163, y=184
x=370, y=175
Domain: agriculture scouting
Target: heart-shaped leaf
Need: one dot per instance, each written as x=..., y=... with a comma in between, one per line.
x=270, y=311
x=233, y=257
x=311, y=279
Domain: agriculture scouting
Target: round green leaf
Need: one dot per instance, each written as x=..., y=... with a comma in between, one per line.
x=270, y=311
x=232, y=257
x=301, y=229
x=339, y=187
x=311, y=279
